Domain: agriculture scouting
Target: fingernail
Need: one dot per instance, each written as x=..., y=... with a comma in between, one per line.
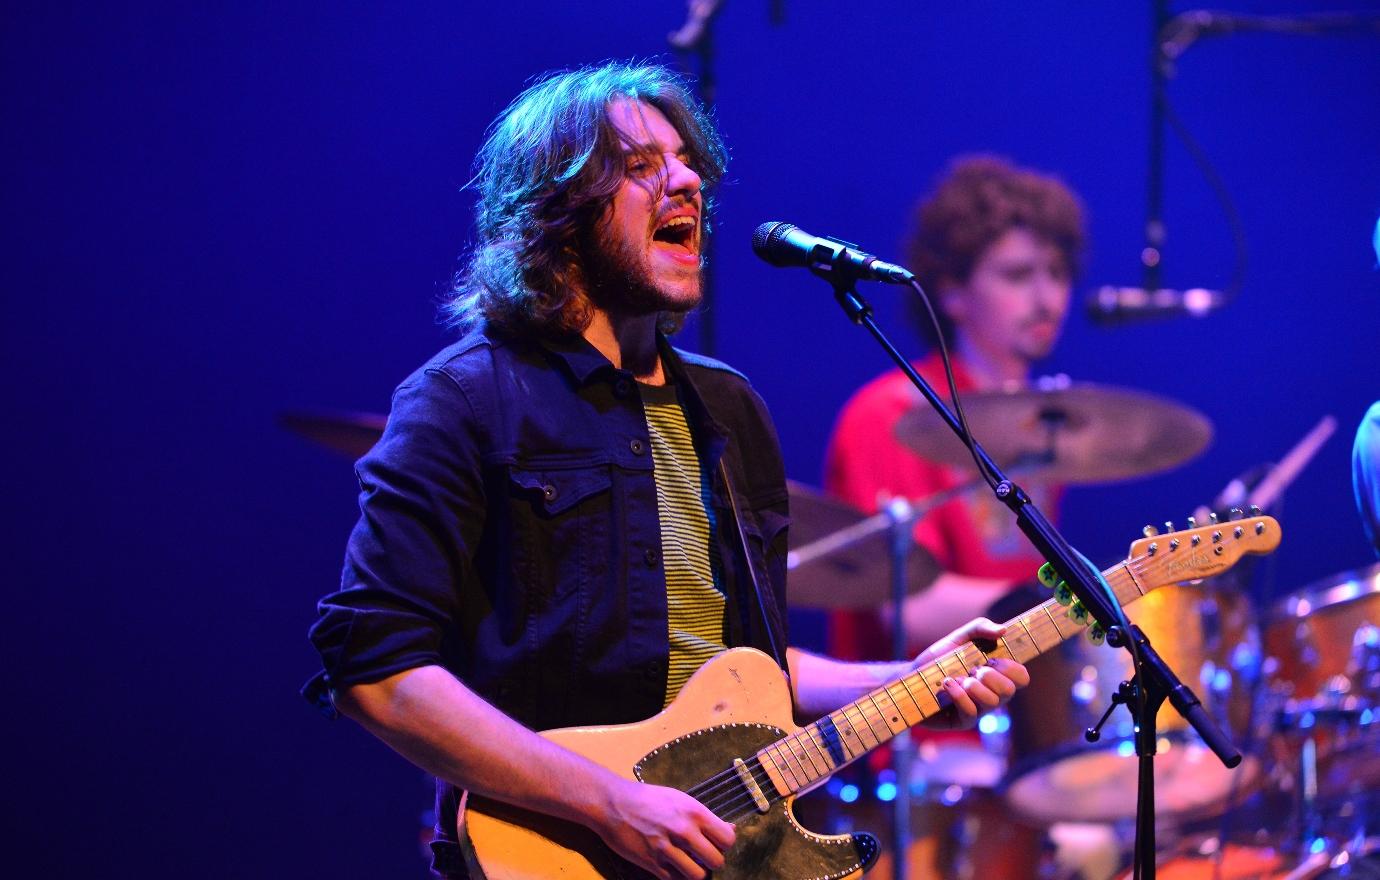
x=948, y=682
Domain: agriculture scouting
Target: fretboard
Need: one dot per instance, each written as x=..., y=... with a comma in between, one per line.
x=799, y=760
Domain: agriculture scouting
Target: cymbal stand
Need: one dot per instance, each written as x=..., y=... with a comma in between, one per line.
x=901, y=517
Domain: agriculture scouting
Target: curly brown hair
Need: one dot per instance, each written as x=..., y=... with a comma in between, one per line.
x=546, y=173
x=977, y=200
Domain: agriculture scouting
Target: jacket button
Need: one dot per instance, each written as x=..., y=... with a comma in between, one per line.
x=549, y=492
x=635, y=446
x=622, y=388
x=651, y=557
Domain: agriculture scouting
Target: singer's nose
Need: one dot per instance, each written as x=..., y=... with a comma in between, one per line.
x=680, y=177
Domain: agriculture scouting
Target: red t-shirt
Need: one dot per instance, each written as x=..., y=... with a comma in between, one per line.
x=973, y=534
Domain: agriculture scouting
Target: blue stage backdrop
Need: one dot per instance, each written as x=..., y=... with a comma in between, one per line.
x=220, y=213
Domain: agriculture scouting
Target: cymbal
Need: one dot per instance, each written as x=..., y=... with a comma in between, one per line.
x=1069, y=433
x=839, y=558
x=349, y=433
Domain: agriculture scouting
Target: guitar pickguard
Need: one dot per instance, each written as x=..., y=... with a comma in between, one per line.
x=770, y=844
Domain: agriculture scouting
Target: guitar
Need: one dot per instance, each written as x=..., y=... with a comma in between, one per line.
x=729, y=740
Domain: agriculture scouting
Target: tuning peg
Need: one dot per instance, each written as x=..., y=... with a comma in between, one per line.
x=1255, y=510
x=1169, y=525
x=1236, y=514
x=1193, y=522
x=1213, y=517
x=1149, y=531
x=1062, y=594
x=1047, y=576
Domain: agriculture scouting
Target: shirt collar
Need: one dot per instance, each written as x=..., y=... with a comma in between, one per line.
x=583, y=360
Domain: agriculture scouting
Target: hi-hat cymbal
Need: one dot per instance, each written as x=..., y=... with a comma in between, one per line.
x=840, y=558
x=349, y=433
x=1070, y=433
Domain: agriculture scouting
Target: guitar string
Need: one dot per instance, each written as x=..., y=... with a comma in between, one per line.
x=720, y=795
x=711, y=791
x=737, y=806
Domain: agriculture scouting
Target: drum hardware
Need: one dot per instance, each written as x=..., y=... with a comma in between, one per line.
x=841, y=558
x=857, y=544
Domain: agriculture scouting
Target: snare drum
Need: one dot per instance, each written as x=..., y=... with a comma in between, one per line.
x=1208, y=637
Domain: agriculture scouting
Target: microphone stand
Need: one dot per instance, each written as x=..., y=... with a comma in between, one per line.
x=1153, y=681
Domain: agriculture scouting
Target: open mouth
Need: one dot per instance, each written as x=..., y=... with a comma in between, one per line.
x=679, y=232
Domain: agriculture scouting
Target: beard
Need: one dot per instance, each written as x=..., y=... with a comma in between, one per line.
x=621, y=280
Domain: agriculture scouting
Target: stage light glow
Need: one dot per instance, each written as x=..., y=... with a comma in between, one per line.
x=849, y=793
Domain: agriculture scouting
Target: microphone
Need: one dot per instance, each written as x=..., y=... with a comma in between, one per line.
x=1119, y=305
x=785, y=244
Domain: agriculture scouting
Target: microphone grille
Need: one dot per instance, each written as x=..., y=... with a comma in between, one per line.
x=765, y=236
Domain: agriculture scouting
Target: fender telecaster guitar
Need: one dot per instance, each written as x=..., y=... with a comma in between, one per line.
x=728, y=738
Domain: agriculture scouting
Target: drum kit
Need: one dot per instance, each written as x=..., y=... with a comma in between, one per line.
x=1295, y=682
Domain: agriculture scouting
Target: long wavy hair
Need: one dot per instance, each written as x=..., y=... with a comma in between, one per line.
x=546, y=173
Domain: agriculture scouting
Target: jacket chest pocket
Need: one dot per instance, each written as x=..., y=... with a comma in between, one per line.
x=560, y=526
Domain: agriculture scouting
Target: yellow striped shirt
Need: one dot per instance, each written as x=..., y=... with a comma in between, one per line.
x=694, y=603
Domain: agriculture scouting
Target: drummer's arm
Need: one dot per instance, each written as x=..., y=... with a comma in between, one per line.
x=949, y=601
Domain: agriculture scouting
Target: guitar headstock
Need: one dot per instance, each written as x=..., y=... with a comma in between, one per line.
x=1202, y=551
x=1191, y=554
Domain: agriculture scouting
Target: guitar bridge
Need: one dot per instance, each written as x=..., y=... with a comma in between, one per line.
x=745, y=776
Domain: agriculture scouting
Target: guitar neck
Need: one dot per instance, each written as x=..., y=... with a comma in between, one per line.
x=799, y=760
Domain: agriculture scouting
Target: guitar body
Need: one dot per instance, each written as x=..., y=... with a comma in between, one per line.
x=734, y=705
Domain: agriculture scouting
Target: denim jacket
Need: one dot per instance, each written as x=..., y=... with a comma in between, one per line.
x=509, y=532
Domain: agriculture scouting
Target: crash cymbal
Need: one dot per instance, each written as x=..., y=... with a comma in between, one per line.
x=1067, y=433
x=349, y=433
x=839, y=558
x=844, y=559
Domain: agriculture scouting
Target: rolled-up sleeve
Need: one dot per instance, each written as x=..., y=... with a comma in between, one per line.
x=421, y=514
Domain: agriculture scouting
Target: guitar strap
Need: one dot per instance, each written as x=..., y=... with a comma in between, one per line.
x=774, y=636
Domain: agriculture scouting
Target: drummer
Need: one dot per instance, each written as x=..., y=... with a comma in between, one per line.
x=996, y=247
